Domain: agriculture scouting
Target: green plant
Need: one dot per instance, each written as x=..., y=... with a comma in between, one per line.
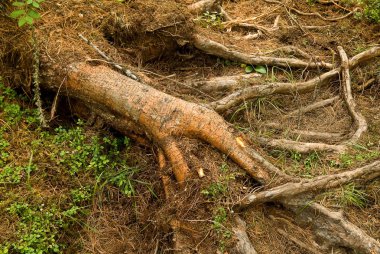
x=361, y=155
x=249, y=68
x=37, y=229
x=124, y=180
x=371, y=9
x=296, y=156
x=80, y=165
x=352, y=196
x=211, y=19
x=215, y=190
x=311, y=160
x=218, y=224
x=219, y=189
x=81, y=194
x=26, y=12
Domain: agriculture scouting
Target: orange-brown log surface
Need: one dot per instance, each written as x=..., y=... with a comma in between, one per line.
x=162, y=116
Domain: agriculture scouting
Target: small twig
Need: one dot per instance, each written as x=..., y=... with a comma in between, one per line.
x=299, y=242
x=180, y=83
x=36, y=79
x=293, y=19
x=55, y=101
x=314, y=106
x=126, y=72
x=321, y=17
x=276, y=21
x=226, y=17
x=365, y=85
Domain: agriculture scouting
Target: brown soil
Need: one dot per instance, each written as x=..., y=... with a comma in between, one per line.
x=153, y=39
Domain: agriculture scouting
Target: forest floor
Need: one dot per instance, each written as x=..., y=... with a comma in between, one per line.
x=79, y=186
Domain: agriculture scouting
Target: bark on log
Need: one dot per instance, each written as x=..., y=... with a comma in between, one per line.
x=161, y=116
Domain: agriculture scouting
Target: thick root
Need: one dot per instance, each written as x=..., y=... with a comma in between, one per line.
x=243, y=245
x=289, y=88
x=301, y=147
x=359, y=120
x=160, y=115
x=332, y=227
x=314, y=185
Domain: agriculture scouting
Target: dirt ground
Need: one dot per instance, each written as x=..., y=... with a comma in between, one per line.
x=153, y=39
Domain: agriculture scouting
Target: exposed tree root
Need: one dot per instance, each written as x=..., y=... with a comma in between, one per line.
x=312, y=107
x=214, y=48
x=301, y=147
x=288, y=88
x=300, y=243
x=365, y=85
x=148, y=115
x=227, y=83
x=239, y=96
x=203, y=6
x=291, y=50
x=323, y=18
x=316, y=14
x=324, y=136
x=332, y=227
x=359, y=121
x=327, y=136
x=161, y=116
x=315, y=185
x=243, y=245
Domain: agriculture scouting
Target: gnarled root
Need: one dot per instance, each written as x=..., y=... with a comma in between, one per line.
x=288, y=88
x=332, y=227
x=314, y=185
x=243, y=245
x=161, y=116
x=359, y=120
x=217, y=49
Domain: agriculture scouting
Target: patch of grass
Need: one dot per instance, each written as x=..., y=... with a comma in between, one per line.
x=219, y=189
x=353, y=196
x=49, y=178
x=360, y=155
x=305, y=165
x=211, y=20
x=219, y=221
